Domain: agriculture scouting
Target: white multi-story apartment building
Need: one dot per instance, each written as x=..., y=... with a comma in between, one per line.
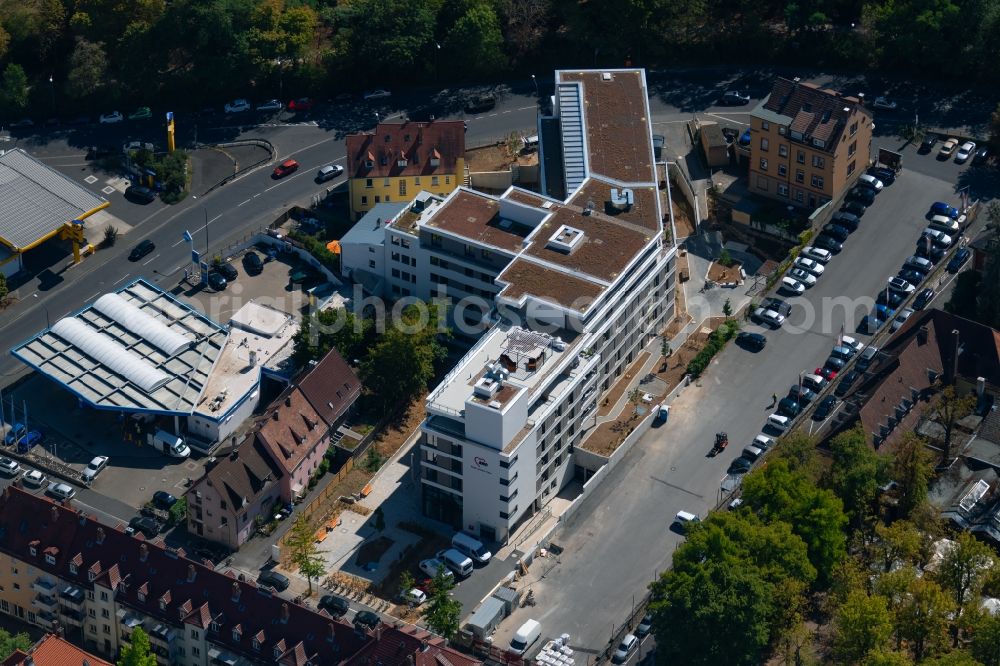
x=570, y=284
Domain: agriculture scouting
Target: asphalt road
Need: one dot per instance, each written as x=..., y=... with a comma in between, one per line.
x=620, y=538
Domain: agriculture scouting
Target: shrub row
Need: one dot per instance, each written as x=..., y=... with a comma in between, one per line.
x=716, y=341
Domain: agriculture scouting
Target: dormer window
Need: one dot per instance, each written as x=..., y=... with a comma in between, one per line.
x=401, y=162
x=141, y=596
x=50, y=558
x=163, y=605
x=91, y=575
x=819, y=143
x=236, y=635
x=214, y=626
x=277, y=652
x=255, y=644
x=72, y=568
x=369, y=164
x=33, y=550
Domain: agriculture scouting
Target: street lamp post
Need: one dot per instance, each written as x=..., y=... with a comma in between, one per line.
x=437, y=62
x=535, y=81
x=52, y=93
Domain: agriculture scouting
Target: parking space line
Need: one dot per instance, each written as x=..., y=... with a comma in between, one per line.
x=121, y=278
x=155, y=257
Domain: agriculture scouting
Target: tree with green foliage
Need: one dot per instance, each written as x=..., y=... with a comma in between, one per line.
x=952, y=408
x=406, y=582
x=727, y=309
x=10, y=642
x=14, y=89
x=406, y=36
x=815, y=514
x=953, y=658
x=138, y=651
x=912, y=471
x=882, y=657
x=862, y=624
x=178, y=511
x=403, y=360
x=924, y=616
x=473, y=41
x=88, y=69
x=895, y=543
x=305, y=554
x=733, y=570
x=442, y=613
x=4, y=290
x=798, y=450
x=963, y=571
x=988, y=299
x=985, y=643
x=335, y=328
x=964, y=295
x=857, y=473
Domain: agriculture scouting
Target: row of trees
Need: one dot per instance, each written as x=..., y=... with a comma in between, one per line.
x=976, y=294
x=817, y=543
x=148, y=51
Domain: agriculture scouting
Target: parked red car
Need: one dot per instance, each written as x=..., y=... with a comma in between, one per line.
x=301, y=104
x=285, y=168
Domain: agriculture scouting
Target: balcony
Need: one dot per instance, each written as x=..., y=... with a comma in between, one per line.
x=45, y=602
x=44, y=586
x=71, y=617
x=71, y=597
x=162, y=635
x=45, y=619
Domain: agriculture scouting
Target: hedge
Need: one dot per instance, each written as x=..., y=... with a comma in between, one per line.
x=715, y=343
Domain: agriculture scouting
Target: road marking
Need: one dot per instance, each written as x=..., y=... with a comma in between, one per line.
x=155, y=257
x=731, y=120
x=121, y=278
x=244, y=202
x=669, y=122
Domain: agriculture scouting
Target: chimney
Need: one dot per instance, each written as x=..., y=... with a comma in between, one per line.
x=796, y=79
x=378, y=222
x=951, y=366
x=378, y=632
x=331, y=630
x=234, y=454
x=274, y=415
x=55, y=514
x=100, y=536
x=284, y=613
x=861, y=97
x=922, y=335
x=288, y=400
x=143, y=552
x=236, y=591
x=192, y=573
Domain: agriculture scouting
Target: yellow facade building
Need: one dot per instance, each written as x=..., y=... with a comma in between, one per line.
x=398, y=160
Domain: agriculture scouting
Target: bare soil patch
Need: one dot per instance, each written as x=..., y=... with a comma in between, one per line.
x=621, y=385
x=719, y=273
x=683, y=217
x=495, y=158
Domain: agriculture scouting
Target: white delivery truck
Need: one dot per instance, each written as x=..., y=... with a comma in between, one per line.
x=169, y=444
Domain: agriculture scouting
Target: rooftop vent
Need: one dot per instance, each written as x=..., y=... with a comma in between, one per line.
x=622, y=200
x=487, y=387
x=565, y=239
x=496, y=404
x=607, y=76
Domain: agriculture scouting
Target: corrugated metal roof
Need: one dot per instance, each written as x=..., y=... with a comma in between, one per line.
x=35, y=200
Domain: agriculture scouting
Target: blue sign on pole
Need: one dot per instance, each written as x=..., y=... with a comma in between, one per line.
x=170, y=116
x=195, y=256
x=187, y=236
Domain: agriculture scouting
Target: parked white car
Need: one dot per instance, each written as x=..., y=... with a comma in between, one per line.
x=817, y=254
x=792, y=286
x=901, y=318
x=803, y=276
x=110, y=118
x=848, y=341
x=769, y=317
x=965, y=152
x=811, y=265
x=33, y=478
x=237, y=106
x=9, y=467
x=433, y=565
x=871, y=180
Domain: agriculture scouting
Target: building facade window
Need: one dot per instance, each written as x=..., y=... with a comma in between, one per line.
x=800, y=157
x=817, y=182
x=434, y=181
x=799, y=196
x=783, y=150
x=364, y=201
x=782, y=170
x=369, y=182
x=782, y=129
x=819, y=162
x=851, y=167
x=762, y=183
x=763, y=164
x=764, y=143
x=800, y=176
x=854, y=128
x=853, y=148
x=782, y=190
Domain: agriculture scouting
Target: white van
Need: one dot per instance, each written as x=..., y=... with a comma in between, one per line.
x=474, y=548
x=525, y=636
x=172, y=445
x=779, y=422
x=457, y=562
x=685, y=518
x=944, y=224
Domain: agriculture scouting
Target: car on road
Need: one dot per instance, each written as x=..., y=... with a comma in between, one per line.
x=378, y=93
x=800, y=393
x=819, y=255
x=837, y=231
x=884, y=103
x=285, y=168
x=274, y=580
x=828, y=243
x=237, y=106
x=271, y=105
x=142, y=113
x=965, y=151
x=763, y=442
x=328, y=172
x=734, y=98
x=884, y=311
x=33, y=478
x=111, y=118
x=803, y=276
x=93, y=468
x=917, y=263
x=811, y=265
x=9, y=467
x=923, y=298
x=752, y=341
x=789, y=407
x=227, y=270
x=849, y=221
x=302, y=104
x=981, y=156
x=333, y=604
x=927, y=145
x=645, y=625
x=941, y=208
x=741, y=465
x=367, y=619
x=885, y=174
x=855, y=208
x=140, y=194
x=63, y=491
x=15, y=433
x=790, y=285
x=163, y=500
x=23, y=123
x=865, y=195
x=938, y=238
x=901, y=318
x=252, y=263
x=824, y=408
x=141, y=250
x=911, y=276
x=148, y=527
x=480, y=103
x=846, y=381
x=900, y=285
x=626, y=649
x=217, y=281
x=871, y=181
x=947, y=148
x=769, y=317
x=433, y=565
x=958, y=260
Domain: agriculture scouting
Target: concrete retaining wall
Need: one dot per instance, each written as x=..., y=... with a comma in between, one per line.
x=686, y=188
x=491, y=180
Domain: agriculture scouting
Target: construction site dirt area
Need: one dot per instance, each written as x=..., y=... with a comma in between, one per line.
x=496, y=158
x=719, y=273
